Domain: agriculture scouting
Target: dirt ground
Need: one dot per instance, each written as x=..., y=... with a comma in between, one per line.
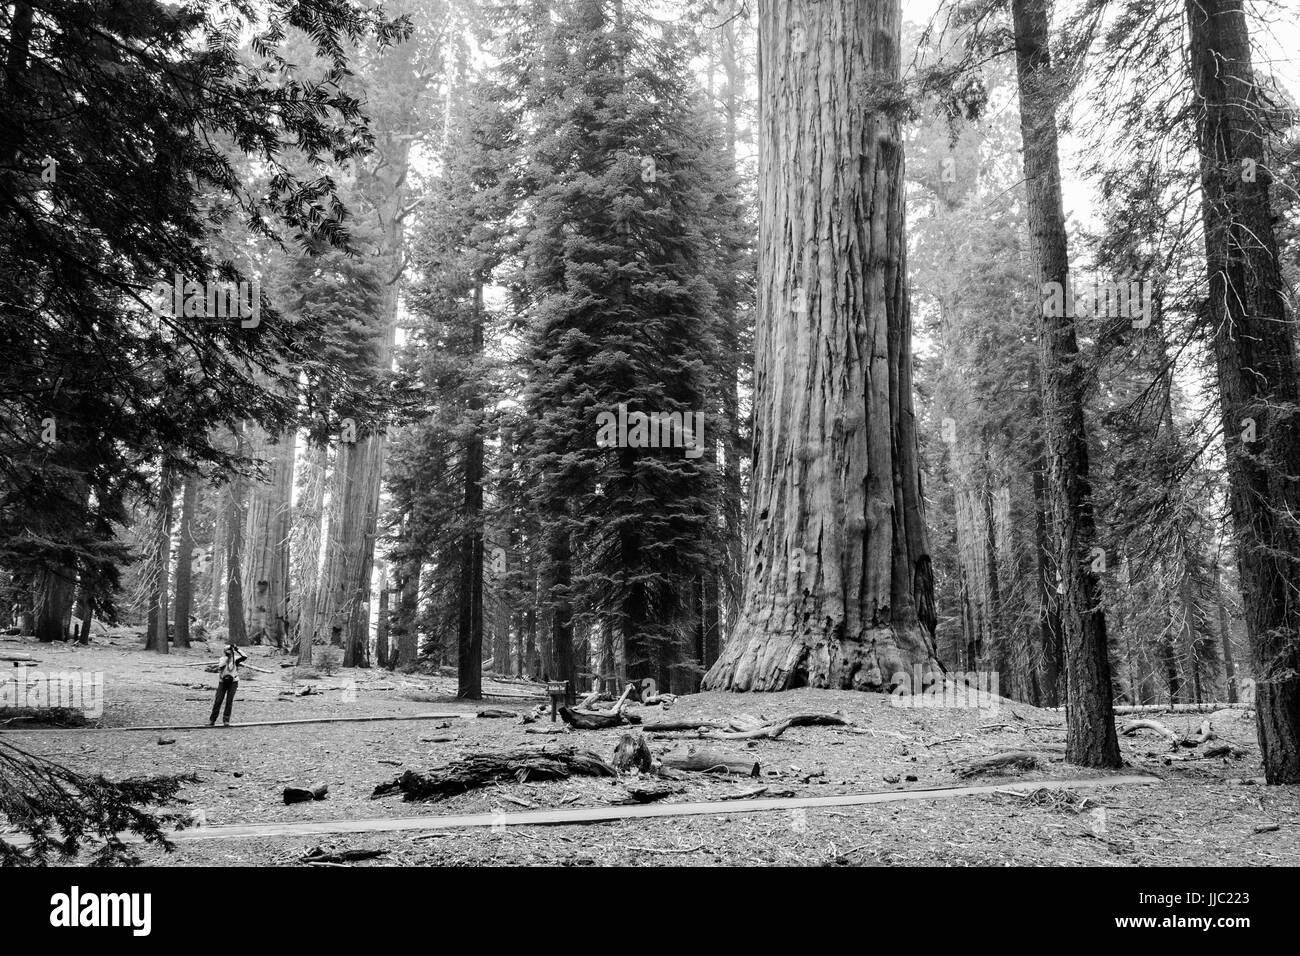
x=1200, y=814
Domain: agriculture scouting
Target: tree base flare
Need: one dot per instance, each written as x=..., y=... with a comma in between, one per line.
x=776, y=662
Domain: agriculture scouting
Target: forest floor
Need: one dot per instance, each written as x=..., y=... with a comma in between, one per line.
x=1200, y=813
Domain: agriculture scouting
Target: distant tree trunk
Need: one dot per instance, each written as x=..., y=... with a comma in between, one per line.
x=642, y=660
x=383, y=656
x=216, y=611
x=469, y=622
x=408, y=610
x=566, y=667
x=1090, y=723
x=837, y=566
x=185, y=560
x=1049, y=618
x=236, y=496
x=707, y=625
x=1257, y=365
x=26, y=609
x=87, y=615
x=533, y=663
x=1225, y=639
x=157, y=637
x=973, y=546
x=306, y=548
x=1169, y=664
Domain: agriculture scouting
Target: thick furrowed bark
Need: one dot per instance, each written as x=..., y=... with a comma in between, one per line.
x=837, y=531
x=1257, y=365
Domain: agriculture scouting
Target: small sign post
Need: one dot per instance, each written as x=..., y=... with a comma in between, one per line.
x=557, y=689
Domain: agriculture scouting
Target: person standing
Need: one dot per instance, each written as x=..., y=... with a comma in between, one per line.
x=227, y=683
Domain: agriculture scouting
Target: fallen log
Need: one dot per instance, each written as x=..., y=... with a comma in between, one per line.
x=484, y=769
x=1133, y=726
x=770, y=732
x=1000, y=763
x=676, y=725
x=708, y=761
x=1223, y=750
x=749, y=728
x=320, y=855
x=649, y=794
x=595, y=719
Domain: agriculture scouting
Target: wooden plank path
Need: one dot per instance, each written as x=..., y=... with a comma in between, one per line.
x=569, y=816
x=237, y=726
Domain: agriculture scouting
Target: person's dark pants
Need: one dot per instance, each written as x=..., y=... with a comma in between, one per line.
x=225, y=689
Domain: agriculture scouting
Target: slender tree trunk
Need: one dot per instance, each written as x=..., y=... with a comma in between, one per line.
x=157, y=637
x=236, y=496
x=1225, y=639
x=533, y=658
x=566, y=667
x=185, y=560
x=217, y=583
x=87, y=616
x=1049, y=618
x=973, y=546
x=1090, y=723
x=837, y=542
x=1257, y=365
x=383, y=656
x=469, y=623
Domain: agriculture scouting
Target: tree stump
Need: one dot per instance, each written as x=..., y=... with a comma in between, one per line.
x=632, y=753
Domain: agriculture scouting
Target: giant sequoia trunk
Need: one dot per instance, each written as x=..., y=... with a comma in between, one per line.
x=837, y=539
x=266, y=531
x=1258, y=369
x=1090, y=725
x=306, y=548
